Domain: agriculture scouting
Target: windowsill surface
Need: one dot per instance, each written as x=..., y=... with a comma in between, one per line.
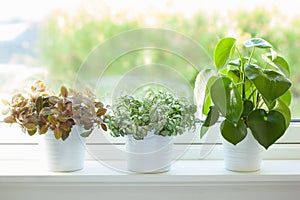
x=187, y=172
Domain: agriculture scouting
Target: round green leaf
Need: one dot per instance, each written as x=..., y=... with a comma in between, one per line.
x=233, y=133
x=266, y=128
x=269, y=83
x=227, y=99
x=223, y=51
x=257, y=42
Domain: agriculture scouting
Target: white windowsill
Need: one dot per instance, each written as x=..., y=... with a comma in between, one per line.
x=194, y=179
x=187, y=171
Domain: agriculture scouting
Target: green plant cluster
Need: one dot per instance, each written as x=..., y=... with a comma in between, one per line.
x=38, y=110
x=249, y=89
x=160, y=112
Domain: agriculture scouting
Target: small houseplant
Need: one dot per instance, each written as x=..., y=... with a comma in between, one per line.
x=150, y=124
x=61, y=118
x=251, y=93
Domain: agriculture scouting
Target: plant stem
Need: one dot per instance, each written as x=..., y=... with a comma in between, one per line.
x=251, y=55
x=242, y=74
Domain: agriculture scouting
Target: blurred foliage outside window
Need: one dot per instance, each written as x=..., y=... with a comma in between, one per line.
x=63, y=40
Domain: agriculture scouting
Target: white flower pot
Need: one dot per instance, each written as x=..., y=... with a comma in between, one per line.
x=246, y=156
x=65, y=155
x=153, y=154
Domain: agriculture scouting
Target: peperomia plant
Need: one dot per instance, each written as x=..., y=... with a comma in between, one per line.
x=160, y=112
x=38, y=110
x=250, y=90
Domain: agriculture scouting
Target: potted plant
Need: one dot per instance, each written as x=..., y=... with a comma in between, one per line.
x=251, y=93
x=62, y=119
x=150, y=124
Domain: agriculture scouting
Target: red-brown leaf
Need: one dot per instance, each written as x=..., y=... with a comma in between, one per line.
x=9, y=119
x=101, y=111
x=104, y=127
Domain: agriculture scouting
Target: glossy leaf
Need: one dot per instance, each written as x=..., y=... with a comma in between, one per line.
x=248, y=107
x=104, y=127
x=227, y=99
x=223, y=52
x=233, y=133
x=257, y=42
x=279, y=63
x=284, y=110
x=287, y=98
x=212, y=117
x=267, y=128
x=269, y=83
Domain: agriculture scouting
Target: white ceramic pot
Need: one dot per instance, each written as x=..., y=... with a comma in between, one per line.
x=153, y=154
x=246, y=156
x=65, y=155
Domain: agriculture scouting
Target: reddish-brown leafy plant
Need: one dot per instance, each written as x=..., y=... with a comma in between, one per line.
x=39, y=110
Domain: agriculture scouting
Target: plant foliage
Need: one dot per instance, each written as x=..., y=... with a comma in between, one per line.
x=37, y=110
x=250, y=90
x=160, y=112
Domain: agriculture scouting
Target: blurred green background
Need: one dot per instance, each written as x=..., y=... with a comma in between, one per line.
x=66, y=40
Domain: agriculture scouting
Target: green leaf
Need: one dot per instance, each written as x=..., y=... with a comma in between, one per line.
x=287, y=98
x=279, y=63
x=202, y=84
x=267, y=128
x=32, y=132
x=233, y=133
x=248, y=107
x=212, y=117
x=269, y=83
x=257, y=42
x=203, y=130
x=207, y=104
x=284, y=110
x=223, y=51
x=227, y=99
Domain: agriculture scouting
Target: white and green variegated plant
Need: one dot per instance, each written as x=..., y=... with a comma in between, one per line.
x=250, y=90
x=159, y=112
